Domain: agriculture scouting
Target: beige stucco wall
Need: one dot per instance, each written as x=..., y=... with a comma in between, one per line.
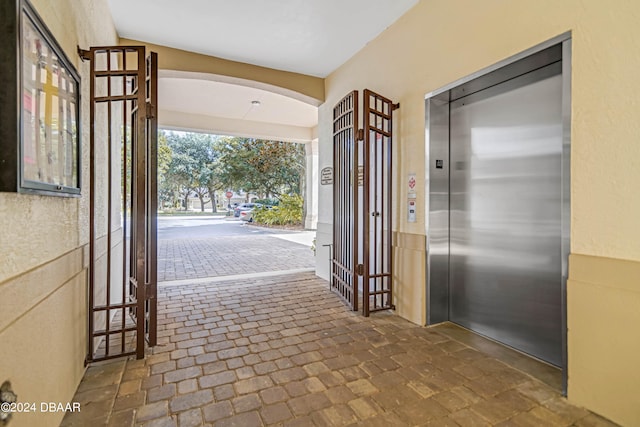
x=43, y=276
x=440, y=41
x=604, y=338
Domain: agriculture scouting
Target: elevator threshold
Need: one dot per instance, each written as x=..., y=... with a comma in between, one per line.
x=538, y=369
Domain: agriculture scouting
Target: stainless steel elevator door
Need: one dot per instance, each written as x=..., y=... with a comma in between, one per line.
x=505, y=213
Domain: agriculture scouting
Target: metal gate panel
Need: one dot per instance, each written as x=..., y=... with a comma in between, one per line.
x=377, y=258
x=122, y=216
x=345, y=195
x=151, y=205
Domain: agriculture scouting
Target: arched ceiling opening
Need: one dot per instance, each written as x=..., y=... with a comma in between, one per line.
x=215, y=104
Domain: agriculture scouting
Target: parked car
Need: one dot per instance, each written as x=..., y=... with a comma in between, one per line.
x=244, y=207
x=247, y=215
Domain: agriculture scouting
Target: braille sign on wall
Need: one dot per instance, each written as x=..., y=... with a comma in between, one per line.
x=439, y=164
x=326, y=176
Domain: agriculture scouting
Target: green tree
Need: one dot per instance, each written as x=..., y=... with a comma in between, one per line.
x=266, y=168
x=189, y=170
x=213, y=180
x=191, y=163
x=166, y=192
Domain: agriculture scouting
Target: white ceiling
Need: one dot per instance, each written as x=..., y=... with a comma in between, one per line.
x=225, y=100
x=311, y=37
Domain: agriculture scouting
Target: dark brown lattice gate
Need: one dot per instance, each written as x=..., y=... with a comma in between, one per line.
x=345, y=218
x=362, y=260
x=123, y=203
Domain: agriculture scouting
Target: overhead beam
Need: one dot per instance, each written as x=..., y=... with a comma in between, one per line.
x=308, y=89
x=188, y=122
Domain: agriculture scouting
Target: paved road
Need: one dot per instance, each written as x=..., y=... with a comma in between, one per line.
x=175, y=227
x=197, y=247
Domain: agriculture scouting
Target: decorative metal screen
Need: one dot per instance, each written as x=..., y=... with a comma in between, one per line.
x=151, y=205
x=377, y=258
x=345, y=193
x=122, y=250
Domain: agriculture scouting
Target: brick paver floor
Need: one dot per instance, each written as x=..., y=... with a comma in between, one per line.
x=285, y=351
x=180, y=259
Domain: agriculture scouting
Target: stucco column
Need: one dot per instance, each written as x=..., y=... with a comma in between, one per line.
x=311, y=201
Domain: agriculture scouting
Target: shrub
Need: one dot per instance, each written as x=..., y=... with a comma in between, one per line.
x=288, y=212
x=268, y=202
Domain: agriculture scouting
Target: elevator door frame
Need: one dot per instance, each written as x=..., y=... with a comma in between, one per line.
x=437, y=188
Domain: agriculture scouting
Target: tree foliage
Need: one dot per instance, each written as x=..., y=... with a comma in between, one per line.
x=165, y=192
x=203, y=165
x=189, y=168
x=266, y=168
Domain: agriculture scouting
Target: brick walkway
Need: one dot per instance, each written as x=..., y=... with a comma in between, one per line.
x=285, y=351
x=180, y=259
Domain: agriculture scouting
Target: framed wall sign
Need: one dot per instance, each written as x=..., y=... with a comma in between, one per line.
x=326, y=176
x=47, y=157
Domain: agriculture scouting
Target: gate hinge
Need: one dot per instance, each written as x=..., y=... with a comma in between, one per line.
x=395, y=106
x=360, y=269
x=360, y=135
x=151, y=110
x=85, y=55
